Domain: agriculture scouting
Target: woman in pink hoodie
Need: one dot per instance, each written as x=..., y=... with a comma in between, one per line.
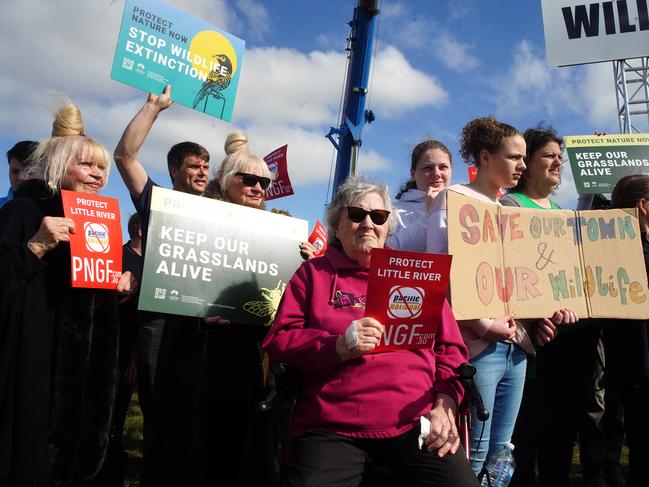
x=355, y=408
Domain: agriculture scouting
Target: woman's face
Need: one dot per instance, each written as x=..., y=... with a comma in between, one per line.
x=240, y=191
x=84, y=176
x=433, y=170
x=545, y=165
x=505, y=166
x=360, y=238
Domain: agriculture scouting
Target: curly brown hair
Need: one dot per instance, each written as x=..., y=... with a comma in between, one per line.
x=484, y=133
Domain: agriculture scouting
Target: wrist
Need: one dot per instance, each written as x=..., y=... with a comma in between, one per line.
x=36, y=248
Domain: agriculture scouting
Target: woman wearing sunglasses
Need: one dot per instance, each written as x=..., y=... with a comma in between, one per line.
x=243, y=177
x=352, y=408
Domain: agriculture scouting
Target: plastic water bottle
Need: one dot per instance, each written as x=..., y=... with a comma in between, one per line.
x=500, y=468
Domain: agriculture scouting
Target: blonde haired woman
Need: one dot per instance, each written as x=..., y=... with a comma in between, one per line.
x=58, y=345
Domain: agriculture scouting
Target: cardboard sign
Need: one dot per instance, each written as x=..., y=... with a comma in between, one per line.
x=159, y=45
x=210, y=258
x=318, y=239
x=96, y=244
x=534, y=262
x=405, y=292
x=599, y=162
x=281, y=185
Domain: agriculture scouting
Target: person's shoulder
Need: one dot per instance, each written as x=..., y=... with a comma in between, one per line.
x=510, y=199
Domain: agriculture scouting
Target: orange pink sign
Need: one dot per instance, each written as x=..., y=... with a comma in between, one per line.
x=96, y=244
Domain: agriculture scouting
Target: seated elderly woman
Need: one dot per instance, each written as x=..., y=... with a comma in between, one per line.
x=58, y=344
x=354, y=407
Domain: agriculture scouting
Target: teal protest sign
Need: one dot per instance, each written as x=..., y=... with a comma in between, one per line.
x=159, y=45
x=210, y=258
x=600, y=161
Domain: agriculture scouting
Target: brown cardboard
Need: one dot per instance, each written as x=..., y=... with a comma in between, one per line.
x=533, y=262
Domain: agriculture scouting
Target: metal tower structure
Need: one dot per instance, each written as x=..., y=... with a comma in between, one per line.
x=632, y=94
x=354, y=116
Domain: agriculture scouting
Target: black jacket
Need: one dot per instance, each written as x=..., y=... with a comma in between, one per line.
x=58, y=355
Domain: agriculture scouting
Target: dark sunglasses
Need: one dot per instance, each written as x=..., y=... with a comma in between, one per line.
x=252, y=179
x=357, y=215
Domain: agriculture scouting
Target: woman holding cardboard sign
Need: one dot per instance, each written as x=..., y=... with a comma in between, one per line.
x=497, y=346
x=58, y=345
x=354, y=408
x=534, y=190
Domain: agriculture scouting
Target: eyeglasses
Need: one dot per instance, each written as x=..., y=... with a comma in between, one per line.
x=357, y=215
x=252, y=179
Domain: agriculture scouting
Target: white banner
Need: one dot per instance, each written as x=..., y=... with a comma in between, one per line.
x=580, y=31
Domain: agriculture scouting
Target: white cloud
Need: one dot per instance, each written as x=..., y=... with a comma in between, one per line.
x=411, y=30
x=454, y=54
x=287, y=86
x=399, y=88
x=529, y=86
x=257, y=16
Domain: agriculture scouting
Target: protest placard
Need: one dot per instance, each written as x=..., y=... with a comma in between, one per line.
x=533, y=262
x=405, y=292
x=318, y=239
x=598, y=162
x=160, y=45
x=96, y=244
x=281, y=185
x=210, y=258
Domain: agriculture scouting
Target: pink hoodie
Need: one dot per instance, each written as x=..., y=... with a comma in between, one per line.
x=374, y=396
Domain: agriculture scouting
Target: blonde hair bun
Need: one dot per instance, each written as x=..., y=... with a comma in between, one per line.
x=236, y=142
x=67, y=121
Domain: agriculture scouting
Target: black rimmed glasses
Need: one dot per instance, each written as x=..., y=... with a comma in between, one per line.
x=252, y=179
x=357, y=215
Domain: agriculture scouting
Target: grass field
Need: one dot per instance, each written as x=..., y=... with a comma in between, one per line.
x=133, y=443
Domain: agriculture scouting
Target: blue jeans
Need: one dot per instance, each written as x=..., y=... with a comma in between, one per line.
x=500, y=377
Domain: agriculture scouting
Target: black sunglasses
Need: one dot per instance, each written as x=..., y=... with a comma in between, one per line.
x=357, y=215
x=252, y=179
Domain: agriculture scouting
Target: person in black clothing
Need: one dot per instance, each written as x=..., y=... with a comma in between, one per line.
x=627, y=343
x=58, y=344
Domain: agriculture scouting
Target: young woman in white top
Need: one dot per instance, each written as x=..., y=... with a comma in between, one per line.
x=430, y=173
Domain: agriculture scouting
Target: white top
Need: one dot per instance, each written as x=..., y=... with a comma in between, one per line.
x=412, y=220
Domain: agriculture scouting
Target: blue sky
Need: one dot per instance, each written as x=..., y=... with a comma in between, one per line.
x=439, y=63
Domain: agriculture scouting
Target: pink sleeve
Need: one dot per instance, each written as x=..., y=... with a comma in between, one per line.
x=290, y=340
x=450, y=352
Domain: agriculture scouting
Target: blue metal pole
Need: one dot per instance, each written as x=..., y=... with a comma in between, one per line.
x=354, y=116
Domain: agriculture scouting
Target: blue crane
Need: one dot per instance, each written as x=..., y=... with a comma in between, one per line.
x=354, y=115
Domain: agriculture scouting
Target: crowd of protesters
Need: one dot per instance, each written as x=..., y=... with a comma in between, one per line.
x=70, y=357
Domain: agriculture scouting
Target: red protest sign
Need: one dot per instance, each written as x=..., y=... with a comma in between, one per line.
x=281, y=185
x=318, y=239
x=405, y=292
x=96, y=244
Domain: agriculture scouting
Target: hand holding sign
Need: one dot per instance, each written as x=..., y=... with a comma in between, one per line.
x=53, y=230
x=361, y=337
x=161, y=102
x=503, y=328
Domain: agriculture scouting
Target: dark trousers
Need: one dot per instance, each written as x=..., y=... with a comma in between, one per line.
x=328, y=459
x=636, y=425
x=560, y=403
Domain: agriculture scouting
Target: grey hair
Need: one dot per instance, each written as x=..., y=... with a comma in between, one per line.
x=353, y=189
